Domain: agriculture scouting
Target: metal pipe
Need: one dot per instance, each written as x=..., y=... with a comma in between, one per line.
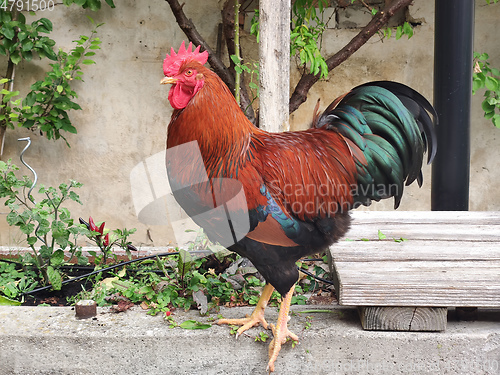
x=453, y=56
x=28, y=139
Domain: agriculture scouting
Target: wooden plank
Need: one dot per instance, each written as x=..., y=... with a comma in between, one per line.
x=274, y=61
x=458, y=232
x=388, y=250
x=449, y=259
x=415, y=231
x=434, y=225
x=438, y=217
x=403, y=318
x=419, y=283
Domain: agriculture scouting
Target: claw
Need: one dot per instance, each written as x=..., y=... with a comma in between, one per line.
x=257, y=316
x=281, y=332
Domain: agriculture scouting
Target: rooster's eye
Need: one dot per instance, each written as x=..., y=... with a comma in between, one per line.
x=189, y=73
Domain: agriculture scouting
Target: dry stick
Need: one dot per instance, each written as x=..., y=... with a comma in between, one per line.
x=230, y=23
x=237, y=78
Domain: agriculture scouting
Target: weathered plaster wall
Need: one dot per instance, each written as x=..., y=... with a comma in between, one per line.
x=125, y=110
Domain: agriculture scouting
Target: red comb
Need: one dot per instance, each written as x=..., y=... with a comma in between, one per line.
x=172, y=62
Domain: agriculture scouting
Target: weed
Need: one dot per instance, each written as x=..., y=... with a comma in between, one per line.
x=262, y=336
x=308, y=323
x=233, y=330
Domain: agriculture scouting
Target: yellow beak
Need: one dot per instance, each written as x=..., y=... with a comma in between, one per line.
x=168, y=80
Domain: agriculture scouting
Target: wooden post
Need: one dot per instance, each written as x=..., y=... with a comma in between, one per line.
x=274, y=50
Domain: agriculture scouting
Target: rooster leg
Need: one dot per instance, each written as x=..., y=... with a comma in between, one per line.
x=257, y=314
x=281, y=332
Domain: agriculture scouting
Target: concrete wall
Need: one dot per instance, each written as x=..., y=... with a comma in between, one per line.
x=126, y=112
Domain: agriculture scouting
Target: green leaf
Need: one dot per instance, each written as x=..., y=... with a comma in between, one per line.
x=491, y=83
x=235, y=59
x=27, y=55
x=487, y=107
x=8, y=31
x=185, y=262
x=4, y=301
x=483, y=56
x=46, y=23
x=94, y=4
x=408, y=29
x=57, y=258
x=381, y=236
x=31, y=240
x=193, y=324
x=399, y=32
x=55, y=278
x=15, y=58
x=496, y=120
x=476, y=85
x=69, y=128
x=27, y=228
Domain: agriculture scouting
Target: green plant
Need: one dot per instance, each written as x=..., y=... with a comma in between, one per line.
x=404, y=29
x=50, y=232
x=262, y=336
x=251, y=68
x=307, y=30
x=182, y=281
x=15, y=281
x=90, y=4
x=22, y=41
x=101, y=237
x=307, y=33
x=486, y=77
x=46, y=106
x=233, y=330
x=298, y=298
x=47, y=225
x=308, y=323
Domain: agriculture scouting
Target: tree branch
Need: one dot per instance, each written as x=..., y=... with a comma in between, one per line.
x=299, y=95
x=228, y=22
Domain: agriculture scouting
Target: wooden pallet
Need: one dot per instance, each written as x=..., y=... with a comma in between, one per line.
x=447, y=259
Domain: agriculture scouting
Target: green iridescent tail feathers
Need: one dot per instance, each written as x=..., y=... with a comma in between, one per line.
x=388, y=128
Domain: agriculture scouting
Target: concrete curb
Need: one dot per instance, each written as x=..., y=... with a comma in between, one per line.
x=50, y=340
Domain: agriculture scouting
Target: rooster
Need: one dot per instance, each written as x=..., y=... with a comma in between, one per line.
x=287, y=195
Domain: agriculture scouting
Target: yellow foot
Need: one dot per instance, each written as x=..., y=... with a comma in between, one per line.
x=281, y=332
x=257, y=316
x=246, y=323
x=279, y=339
